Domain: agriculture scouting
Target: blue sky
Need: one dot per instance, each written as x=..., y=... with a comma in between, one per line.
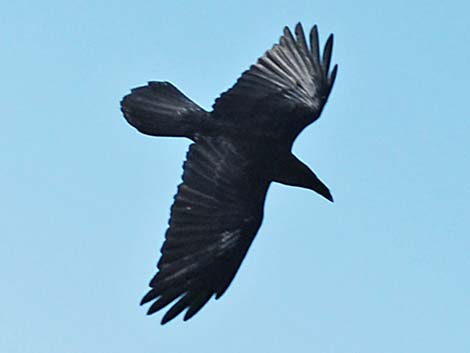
x=85, y=198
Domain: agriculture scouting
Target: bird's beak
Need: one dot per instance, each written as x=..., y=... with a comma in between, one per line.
x=322, y=189
x=327, y=195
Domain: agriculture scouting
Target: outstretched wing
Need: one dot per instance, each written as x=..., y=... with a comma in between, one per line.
x=285, y=90
x=217, y=211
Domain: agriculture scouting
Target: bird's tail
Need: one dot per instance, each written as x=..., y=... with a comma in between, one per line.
x=160, y=109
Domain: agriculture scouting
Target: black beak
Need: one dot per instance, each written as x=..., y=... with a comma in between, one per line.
x=323, y=190
x=327, y=195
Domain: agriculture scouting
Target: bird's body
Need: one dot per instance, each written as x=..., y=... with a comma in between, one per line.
x=238, y=149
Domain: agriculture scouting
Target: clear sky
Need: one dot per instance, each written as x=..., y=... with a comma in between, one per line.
x=85, y=199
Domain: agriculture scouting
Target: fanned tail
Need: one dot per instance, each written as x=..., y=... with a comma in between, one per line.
x=160, y=109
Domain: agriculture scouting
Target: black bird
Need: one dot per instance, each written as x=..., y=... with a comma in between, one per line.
x=239, y=148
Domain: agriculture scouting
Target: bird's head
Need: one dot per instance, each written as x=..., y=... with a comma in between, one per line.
x=296, y=173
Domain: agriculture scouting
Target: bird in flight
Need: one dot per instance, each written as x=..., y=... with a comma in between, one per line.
x=238, y=149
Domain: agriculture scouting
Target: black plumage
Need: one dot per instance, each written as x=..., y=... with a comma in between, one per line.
x=239, y=148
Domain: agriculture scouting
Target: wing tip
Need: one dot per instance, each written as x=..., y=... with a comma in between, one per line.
x=327, y=54
x=332, y=78
x=146, y=298
x=165, y=320
x=329, y=40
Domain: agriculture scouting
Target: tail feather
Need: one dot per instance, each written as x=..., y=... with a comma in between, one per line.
x=160, y=109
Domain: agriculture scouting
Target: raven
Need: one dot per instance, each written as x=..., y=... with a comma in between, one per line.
x=238, y=149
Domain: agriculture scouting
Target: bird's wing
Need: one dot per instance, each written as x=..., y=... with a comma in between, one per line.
x=285, y=90
x=217, y=211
